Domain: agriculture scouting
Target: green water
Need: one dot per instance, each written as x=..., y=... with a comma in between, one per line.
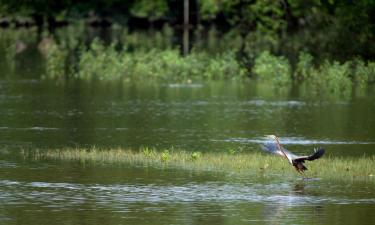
x=213, y=116
x=203, y=116
x=70, y=193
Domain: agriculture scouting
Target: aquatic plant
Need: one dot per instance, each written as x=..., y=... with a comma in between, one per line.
x=252, y=163
x=165, y=156
x=116, y=62
x=273, y=68
x=363, y=74
x=148, y=152
x=106, y=63
x=100, y=62
x=304, y=66
x=195, y=155
x=56, y=61
x=145, y=41
x=332, y=77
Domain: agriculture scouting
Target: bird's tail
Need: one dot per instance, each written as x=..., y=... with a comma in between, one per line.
x=318, y=152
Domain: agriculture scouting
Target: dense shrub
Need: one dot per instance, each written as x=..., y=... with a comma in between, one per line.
x=332, y=77
x=362, y=73
x=273, y=68
x=304, y=67
x=100, y=62
x=56, y=61
x=106, y=63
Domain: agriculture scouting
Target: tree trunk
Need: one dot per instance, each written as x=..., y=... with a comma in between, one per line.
x=186, y=27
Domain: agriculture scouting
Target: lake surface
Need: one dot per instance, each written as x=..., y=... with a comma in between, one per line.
x=211, y=116
x=50, y=192
x=214, y=116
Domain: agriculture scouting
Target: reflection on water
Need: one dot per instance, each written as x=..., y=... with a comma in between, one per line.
x=76, y=192
x=68, y=194
x=203, y=116
x=299, y=141
x=206, y=117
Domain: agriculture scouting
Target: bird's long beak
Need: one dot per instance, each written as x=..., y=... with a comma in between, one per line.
x=278, y=143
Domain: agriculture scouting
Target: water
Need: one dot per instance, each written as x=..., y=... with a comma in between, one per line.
x=47, y=192
x=212, y=116
x=206, y=116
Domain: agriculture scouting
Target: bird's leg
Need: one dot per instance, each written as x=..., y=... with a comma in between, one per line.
x=298, y=169
x=302, y=172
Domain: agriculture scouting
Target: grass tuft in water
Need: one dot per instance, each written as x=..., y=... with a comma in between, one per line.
x=255, y=163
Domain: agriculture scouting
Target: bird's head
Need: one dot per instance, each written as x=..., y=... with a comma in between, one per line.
x=272, y=137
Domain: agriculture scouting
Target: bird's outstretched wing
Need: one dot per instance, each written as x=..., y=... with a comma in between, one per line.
x=272, y=146
x=275, y=147
x=316, y=155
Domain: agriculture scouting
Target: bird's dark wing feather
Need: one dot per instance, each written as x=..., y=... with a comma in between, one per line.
x=316, y=155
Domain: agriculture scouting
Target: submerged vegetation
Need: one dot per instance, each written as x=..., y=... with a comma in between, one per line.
x=133, y=56
x=105, y=63
x=283, y=43
x=255, y=164
x=108, y=63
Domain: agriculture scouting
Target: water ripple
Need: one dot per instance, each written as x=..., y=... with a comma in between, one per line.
x=67, y=194
x=296, y=141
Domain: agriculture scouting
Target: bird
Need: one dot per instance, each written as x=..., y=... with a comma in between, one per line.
x=296, y=161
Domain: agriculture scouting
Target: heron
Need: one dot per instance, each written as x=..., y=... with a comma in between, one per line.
x=275, y=147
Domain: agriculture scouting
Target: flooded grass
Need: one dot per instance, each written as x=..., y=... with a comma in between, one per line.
x=257, y=164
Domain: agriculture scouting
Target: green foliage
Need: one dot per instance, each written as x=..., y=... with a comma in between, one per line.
x=273, y=68
x=14, y=42
x=371, y=72
x=268, y=15
x=320, y=26
x=363, y=74
x=232, y=151
x=332, y=77
x=105, y=63
x=148, y=152
x=56, y=61
x=150, y=9
x=195, y=155
x=224, y=65
x=165, y=155
x=255, y=163
x=304, y=67
x=100, y=62
x=146, y=41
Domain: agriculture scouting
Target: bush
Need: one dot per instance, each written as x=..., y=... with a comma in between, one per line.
x=100, y=62
x=304, y=67
x=272, y=68
x=371, y=72
x=105, y=63
x=363, y=74
x=56, y=58
x=108, y=63
x=332, y=77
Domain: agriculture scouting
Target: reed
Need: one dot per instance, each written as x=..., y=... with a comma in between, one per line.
x=255, y=163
